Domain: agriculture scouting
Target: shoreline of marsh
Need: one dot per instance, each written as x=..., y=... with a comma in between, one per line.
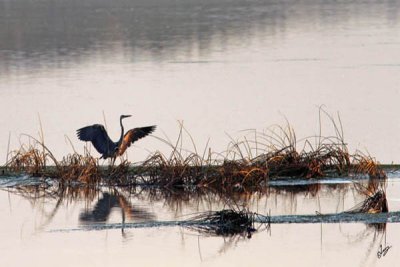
x=248, y=162
x=228, y=175
x=135, y=170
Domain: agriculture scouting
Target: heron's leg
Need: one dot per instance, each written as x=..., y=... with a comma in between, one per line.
x=113, y=161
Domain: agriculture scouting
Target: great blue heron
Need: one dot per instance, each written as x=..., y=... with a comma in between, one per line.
x=97, y=134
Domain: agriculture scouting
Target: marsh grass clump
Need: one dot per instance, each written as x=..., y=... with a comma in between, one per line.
x=224, y=223
x=37, y=160
x=31, y=159
x=82, y=168
x=366, y=165
x=375, y=202
x=119, y=174
x=175, y=170
x=248, y=163
x=252, y=160
x=178, y=171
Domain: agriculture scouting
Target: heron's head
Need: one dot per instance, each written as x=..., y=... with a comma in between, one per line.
x=125, y=116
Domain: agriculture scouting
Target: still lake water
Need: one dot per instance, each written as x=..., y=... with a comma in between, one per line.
x=221, y=66
x=83, y=228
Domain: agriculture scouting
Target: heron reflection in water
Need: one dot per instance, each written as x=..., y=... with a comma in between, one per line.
x=103, y=207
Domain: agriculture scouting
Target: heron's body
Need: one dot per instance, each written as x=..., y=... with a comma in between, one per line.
x=97, y=134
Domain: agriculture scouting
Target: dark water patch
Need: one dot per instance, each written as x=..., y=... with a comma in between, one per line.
x=24, y=180
x=300, y=182
x=393, y=175
x=390, y=217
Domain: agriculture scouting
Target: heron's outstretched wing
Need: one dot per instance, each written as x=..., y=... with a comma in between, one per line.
x=133, y=135
x=98, y=136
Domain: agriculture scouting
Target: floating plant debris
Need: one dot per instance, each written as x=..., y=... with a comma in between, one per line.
x=224, y=223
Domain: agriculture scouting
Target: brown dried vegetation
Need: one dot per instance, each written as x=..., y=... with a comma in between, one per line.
x=252, y=160
x=247, y=164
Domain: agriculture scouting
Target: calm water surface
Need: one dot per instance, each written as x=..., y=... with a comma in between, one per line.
x=83, y=228
x=221, y=66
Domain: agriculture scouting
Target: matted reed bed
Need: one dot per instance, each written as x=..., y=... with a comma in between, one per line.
x=249, y=162
x=178, y=171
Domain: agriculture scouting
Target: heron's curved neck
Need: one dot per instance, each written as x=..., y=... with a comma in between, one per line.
x=122, y=131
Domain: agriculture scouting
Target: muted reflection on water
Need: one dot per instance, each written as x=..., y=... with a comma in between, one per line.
x=35, y=217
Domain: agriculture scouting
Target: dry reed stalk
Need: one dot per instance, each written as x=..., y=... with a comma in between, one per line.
x=80, y=168
x=30, y=160
x=119, y=174
x=241, y=167
x=248, y=162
